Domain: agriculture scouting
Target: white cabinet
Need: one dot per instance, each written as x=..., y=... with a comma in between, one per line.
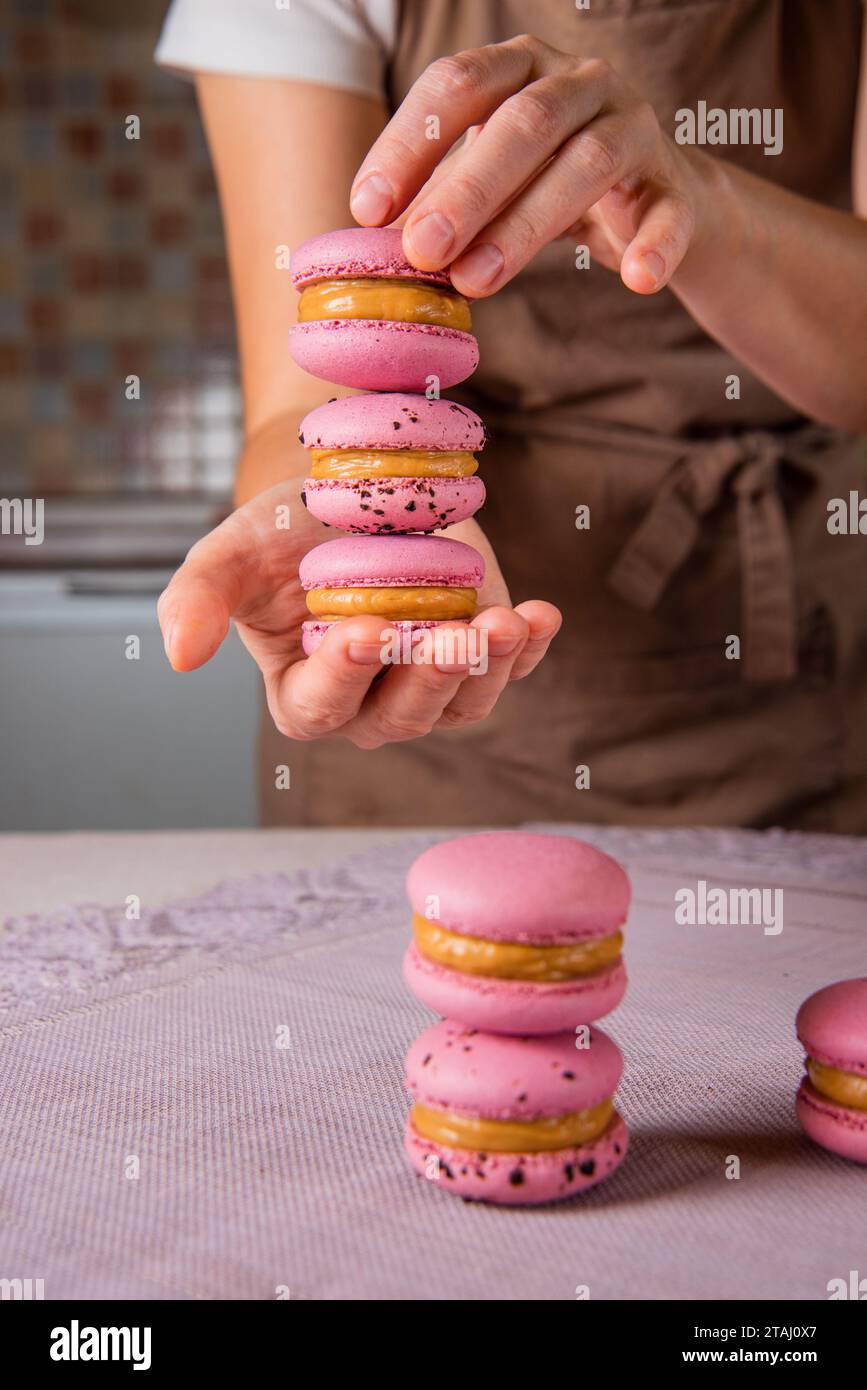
x=92, y=740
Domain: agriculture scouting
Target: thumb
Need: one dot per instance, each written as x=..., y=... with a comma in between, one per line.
x=659, y=245
x=194, y=617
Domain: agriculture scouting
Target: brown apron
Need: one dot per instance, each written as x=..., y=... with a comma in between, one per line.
x=707, y=515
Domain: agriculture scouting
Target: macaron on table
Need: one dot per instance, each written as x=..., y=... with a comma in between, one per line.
x=513, y=1120
x=526, y=937
x=517, y=943
x=832, y=1100
x=389, y=467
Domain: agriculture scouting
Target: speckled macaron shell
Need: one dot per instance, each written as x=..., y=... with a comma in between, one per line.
x=383, y=506
x=393, y=420
x=505, y=1078
x=518, y=1180
x=374, y=354
x=392, y=560
x=832, y=1027
x=513, y=1006
x=313, y=631
x=522, y=887
x=351, y=253
x=382, y=355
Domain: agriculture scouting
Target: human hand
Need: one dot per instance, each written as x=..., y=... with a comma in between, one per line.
x=557, y=145
x=246, y=571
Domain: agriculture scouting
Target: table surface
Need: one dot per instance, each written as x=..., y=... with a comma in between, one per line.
x=262, y=1170
x=41, y=871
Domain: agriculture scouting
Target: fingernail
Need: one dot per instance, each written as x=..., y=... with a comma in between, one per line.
x=480, y=267
x=501, y=646
x=654, y=265
x=365, y=653
x=371, y=201
x=167, y=637
x=452, y=668
x=432, y=237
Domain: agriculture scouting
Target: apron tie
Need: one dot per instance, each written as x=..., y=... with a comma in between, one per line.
x=670, y=529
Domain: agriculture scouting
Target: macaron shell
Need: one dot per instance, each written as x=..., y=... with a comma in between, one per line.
x=392, y=560
x=357, y=252
x=313, y=632
x=513, y=1006
x=381, y=355
x=835, y=1127
x=832, y=1025
x=519, y=886
x=518, y=1179
x=376, y=506
x=510, y=1078
x=393, y=420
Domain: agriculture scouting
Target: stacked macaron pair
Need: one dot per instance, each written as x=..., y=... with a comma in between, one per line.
x=517, y=944
x=394, y=464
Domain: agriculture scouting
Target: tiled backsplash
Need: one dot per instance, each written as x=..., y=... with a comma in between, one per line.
x=111, y=262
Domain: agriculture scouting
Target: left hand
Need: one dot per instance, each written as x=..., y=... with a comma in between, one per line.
x=557, y=146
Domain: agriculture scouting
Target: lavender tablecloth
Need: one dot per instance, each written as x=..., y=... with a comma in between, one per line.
x=207, y=1102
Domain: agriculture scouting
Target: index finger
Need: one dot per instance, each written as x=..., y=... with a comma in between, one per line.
x=460, y=91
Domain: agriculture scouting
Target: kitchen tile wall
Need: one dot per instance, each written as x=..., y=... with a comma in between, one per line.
x=111, y=262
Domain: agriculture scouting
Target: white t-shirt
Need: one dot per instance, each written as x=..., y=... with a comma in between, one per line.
x=341, y=43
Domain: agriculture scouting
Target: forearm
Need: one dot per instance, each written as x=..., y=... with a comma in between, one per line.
x=272, y=454
x=284, y=154
x=782, y=283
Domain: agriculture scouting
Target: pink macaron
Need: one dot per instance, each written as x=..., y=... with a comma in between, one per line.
x=410, y=582
x=392, y=463
x=369, y=319
x=510, y=1120
x=517, y=932
x=832, y=1100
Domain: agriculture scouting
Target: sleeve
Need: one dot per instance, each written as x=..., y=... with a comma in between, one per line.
x=340, y=43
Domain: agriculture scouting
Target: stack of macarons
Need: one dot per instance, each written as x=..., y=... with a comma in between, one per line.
x=517, y=944
x=399, y=462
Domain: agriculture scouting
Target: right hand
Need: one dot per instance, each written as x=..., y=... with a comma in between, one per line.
x=246, y=571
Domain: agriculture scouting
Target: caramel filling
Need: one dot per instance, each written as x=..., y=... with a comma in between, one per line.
x=391, y=463
x=401, y=301
x=841, y=1086
x=509, y=960
x=425, y=603
x=512, y=1136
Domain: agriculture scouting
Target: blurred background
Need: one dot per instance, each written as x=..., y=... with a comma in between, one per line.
x=111, y=269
